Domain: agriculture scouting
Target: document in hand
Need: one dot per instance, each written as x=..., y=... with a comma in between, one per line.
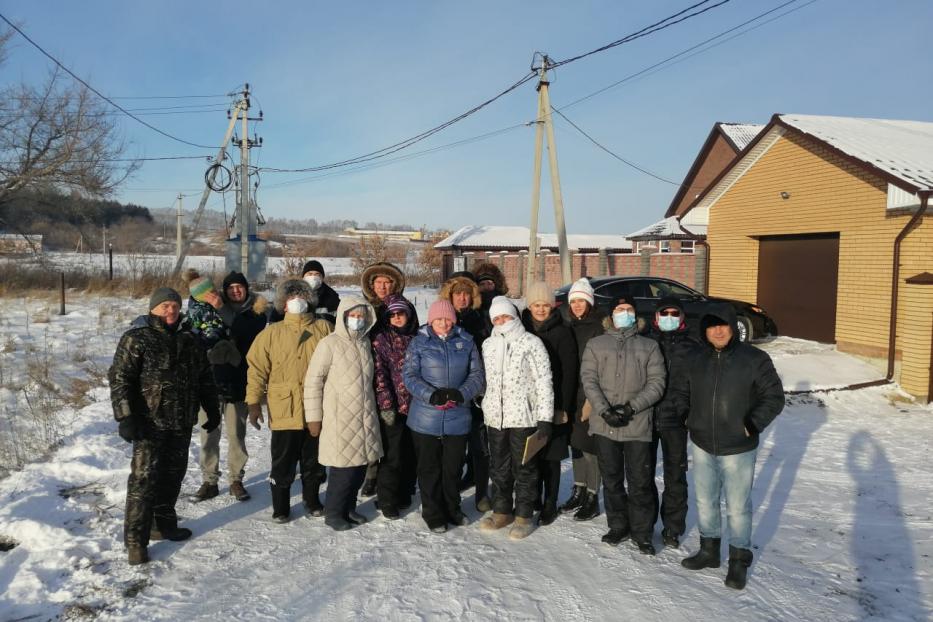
x=533, y=444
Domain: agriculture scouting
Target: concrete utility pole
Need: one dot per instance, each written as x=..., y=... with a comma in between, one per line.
x=178, y=235
x=243, y=212
x=544, y=122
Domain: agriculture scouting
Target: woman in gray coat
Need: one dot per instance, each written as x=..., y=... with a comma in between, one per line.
x=623, y=375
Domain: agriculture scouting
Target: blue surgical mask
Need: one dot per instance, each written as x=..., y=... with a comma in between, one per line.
x=668, y=323
x=355, y=323
x=623, y=319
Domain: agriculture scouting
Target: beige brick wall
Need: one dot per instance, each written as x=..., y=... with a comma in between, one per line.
x=828, y=194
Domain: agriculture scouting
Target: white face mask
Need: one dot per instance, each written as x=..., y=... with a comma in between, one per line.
x=314, y=281
x=355, y=323
x=506, y=328
x=297, y=305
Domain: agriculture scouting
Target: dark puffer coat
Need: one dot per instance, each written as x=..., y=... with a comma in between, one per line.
x=246, y=321
x=728, y=392
x=584, y=329
x=470, y=319
x=433, y=363
x=161, y=375
x=565, y=375
x=389, y=348
x=677, y=346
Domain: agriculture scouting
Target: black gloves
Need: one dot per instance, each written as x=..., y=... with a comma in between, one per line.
x=213, y=420
x=442, y=396
x=131, y=429
x=619, y=416
x=545, y=428
x=455, y=396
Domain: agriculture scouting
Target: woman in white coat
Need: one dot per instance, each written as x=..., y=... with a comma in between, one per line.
x=340, y=406
x=519, y=400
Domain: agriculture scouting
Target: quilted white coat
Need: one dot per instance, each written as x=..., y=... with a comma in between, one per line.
x=519, y=391
x=338, y=392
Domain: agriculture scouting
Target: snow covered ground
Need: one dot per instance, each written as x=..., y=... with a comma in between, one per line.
x=843, y=526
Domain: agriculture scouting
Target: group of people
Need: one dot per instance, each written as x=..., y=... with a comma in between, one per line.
x=361, y=395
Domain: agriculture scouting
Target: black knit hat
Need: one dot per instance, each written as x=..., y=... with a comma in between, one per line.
x=624, y=300
x=235, y=278
x=315, y=265
x=161, y=295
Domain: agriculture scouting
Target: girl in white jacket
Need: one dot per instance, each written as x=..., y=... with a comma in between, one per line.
x=519, y=399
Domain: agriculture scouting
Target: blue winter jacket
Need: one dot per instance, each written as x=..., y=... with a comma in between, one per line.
x=433, y=363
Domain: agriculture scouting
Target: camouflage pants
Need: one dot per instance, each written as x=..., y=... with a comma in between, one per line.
x=156, y=472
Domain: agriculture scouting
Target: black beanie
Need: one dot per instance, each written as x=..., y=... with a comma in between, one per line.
x=161, y=295
x=235, y=278
x=315, y=265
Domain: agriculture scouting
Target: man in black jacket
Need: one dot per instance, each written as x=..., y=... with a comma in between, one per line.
x=733, y=393
x=669, y=329
x=159, y=379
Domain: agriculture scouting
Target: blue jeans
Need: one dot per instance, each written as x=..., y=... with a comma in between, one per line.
x=732, y=475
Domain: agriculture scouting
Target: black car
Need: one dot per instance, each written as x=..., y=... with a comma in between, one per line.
x=754, y=323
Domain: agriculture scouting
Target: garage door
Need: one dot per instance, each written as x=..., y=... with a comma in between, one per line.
x=797, y=278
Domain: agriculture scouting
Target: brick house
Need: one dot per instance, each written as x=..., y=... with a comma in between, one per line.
x=807, y=221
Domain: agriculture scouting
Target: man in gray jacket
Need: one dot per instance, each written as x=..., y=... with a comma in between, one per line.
x=623, y=376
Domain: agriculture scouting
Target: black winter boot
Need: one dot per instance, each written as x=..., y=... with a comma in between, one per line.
x=575, y=501
x=369, y=488
x=281, y=503
x=614, y=536
x=311, y=496
x=706, y=557
x=739, y=561
x=549, y=514
x=589, y=509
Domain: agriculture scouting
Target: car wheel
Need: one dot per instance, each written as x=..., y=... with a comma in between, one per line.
x=745, y=329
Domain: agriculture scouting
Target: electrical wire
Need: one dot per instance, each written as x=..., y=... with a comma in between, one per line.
x=98, y=93
x=612, y=153
x=667, y=22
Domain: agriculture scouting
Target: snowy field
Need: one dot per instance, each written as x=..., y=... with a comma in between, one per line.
x=842, y=530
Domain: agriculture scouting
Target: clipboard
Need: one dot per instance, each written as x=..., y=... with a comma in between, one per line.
x=533, y=444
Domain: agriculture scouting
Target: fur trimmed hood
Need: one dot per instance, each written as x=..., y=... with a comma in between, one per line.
x=291, y=287
x=446, y=292
x=381, y=268
x=491, y=271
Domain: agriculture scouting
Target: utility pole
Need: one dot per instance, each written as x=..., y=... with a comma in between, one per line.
x=243, y=211
x=544, y=123
x=178, y=234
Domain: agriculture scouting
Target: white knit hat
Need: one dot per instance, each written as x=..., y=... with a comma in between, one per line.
x=582, y=289
x=502, y=306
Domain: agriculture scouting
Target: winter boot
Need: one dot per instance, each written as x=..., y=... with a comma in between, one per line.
x=137, y=554
x=739, y=561
x=496, y=521
x=706, y=557
x=238, y=491
x=173, y=533
x=483, y=504
x=311, y=496
x=390, y=512
x=575, y=501
x=439, y=529
x=338, y=523
x=549, y=514
x=281, y=503
x=521, y=529
x=615, y=535
x=645, y=547
x=369, y=488
x=589, y=509
x=458, y=519
x=356, y=518
x=670, y=538
x=205, y=492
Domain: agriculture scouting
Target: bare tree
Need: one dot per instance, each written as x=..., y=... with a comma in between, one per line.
x=57, y=134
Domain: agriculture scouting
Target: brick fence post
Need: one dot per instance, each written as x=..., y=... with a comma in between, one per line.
x=603, y=262
x=646, y=262
x=700, y=256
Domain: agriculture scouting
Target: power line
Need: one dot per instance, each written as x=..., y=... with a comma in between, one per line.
x=168, y=96
x=98, y=93
x=612, y=153
x=692, y=48
x=667, y=22
x=152, y=159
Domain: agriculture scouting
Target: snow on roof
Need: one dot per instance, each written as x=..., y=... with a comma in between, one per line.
x=502, y=237
x=741, y=133
x=903, y=149
x=667, y=228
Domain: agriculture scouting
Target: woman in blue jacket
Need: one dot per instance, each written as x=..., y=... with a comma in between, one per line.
x=443, y=372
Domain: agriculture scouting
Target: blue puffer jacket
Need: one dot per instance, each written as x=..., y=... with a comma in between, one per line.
x=433, y=363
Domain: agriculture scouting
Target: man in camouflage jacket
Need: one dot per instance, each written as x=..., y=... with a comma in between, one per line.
x=159, y=379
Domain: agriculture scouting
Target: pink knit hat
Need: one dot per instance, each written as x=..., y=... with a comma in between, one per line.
x=442, y=309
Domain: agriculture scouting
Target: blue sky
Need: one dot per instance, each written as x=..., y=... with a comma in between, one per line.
x=336, y=80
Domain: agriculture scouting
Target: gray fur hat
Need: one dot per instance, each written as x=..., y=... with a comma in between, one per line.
x=290, y=288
